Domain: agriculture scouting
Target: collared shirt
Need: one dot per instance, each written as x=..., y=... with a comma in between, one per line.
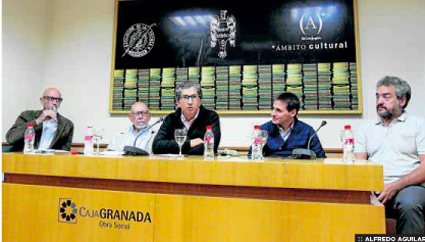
x=49, y=131
x=397, y=146
x=285, y=133
x=123, y=139
x=187, y=123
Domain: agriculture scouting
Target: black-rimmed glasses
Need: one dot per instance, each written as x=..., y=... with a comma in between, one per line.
x=51, y=99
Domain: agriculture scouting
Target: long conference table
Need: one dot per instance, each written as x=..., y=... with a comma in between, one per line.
x=160, y=198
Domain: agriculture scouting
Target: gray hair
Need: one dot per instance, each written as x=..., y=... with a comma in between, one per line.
x=402, y=88
x=187, y=85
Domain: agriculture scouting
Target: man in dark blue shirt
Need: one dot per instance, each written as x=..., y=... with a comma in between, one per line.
x=286, y=132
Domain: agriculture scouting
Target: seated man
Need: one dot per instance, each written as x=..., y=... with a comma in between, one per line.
x=139, y=117
x=52, y=130
x=397, y=141
x=286, y=132
x=193, y=117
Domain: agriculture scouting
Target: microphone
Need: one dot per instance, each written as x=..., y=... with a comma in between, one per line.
x=133, y=150
x=307, y=153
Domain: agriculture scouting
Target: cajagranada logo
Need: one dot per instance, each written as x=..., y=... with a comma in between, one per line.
x=67, y=211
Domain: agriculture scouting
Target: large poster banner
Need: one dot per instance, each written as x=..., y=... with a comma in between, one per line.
x=242, y=54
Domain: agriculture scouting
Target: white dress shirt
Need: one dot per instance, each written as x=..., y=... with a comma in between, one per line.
x=49, y=131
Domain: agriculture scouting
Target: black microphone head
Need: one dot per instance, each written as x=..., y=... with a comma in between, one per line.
x=323, y=123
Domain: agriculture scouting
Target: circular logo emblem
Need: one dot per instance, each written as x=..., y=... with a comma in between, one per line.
x=68, y=210
x=139, y=40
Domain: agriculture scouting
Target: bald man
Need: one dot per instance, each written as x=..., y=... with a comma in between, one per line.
x=139, y=117
x=52, y=130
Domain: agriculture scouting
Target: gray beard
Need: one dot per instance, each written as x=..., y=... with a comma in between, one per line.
x=389, y=114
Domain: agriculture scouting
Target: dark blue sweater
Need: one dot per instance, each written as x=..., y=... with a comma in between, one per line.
x=298, y=138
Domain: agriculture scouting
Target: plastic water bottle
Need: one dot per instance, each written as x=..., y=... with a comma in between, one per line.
x=88, y=141
x=209, y=144
x=256, y=147
x=29, y=139
x=347, y=138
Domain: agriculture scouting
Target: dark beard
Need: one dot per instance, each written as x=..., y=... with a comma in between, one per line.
x=389, y=114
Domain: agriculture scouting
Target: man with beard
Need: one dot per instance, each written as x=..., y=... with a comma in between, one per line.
x=397, y=141
x=52, y=130
x=286, y=132
x=139, y=117
x=193, y=117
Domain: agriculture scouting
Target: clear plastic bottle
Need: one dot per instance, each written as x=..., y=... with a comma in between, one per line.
x=88, y=141
x=347, y=138
x=29, y=139
x=209, y=144
x=256, y=148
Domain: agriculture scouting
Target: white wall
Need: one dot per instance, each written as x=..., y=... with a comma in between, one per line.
x=24, y=51
x=78, y=61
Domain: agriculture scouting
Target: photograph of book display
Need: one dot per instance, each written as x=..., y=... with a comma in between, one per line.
x=320, y=86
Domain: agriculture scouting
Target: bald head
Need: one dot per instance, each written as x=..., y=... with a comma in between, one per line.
x=139, y=115
x=51, y=97
x=52, y=92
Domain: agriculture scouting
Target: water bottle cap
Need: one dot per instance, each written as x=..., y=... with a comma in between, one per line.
x=347, y=127
x=256, y=126
x=209, y=127
x=30, y=125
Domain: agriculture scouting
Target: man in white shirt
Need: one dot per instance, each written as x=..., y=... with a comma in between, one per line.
x=139, y=117
x=397, y=141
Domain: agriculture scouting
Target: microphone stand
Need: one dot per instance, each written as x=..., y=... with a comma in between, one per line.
x=307, y=153
x=133, y=150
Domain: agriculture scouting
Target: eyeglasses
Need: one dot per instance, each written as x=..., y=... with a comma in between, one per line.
x=187, y=97
x=143, y=113
x=51, y=99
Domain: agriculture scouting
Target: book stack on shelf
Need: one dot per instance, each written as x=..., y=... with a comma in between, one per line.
x=341, y=86
x=222, y=82
x=310, y=86
x=278, y=73
x=194, y=75
x=208, y=86
x=130, y=88
x=294, y=81
x=250, y=87
x=235, y=88
x=354, y=86
x=143, y=85
x=118, y=90
x=167, y=88
x=155, y=88
x=182, y=75
x=325, y=86
x=265, y=87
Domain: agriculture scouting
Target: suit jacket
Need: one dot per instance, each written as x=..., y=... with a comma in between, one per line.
x=61, y=141
x=164, y=141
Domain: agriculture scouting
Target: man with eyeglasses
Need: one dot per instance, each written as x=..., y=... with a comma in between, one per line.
x=52, y=130
x=193, y=117
x=396, y=140
x=139, y=117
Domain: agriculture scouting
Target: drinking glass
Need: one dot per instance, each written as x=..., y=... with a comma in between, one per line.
x=97, y=135
x=180, y=137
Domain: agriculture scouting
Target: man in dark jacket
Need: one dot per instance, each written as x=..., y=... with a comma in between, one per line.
x=52, y=130
x=286, y=132
x=193, y=117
